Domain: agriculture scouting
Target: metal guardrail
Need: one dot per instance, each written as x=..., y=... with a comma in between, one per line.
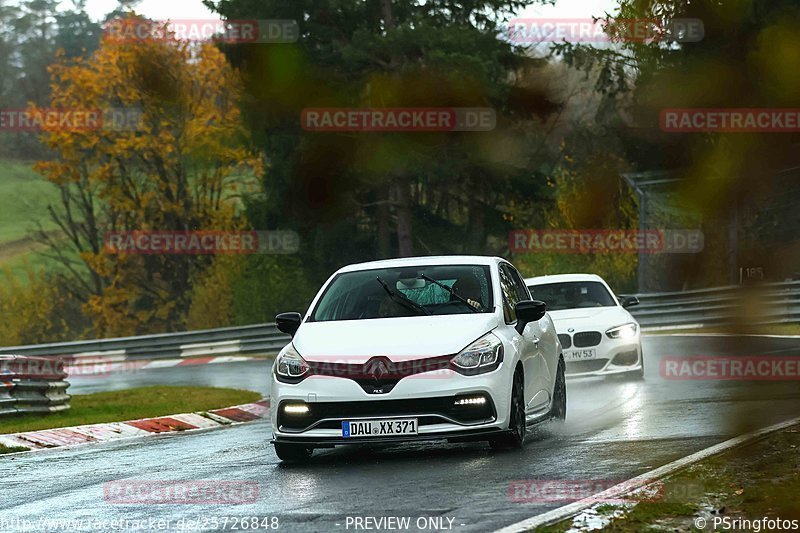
x=772, y=303
x=257, y=339
x=32, y=385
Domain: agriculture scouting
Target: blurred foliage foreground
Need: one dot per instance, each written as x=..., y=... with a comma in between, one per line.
x=219, y=145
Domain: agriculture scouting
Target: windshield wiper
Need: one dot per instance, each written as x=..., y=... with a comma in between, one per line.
x=402, y=299
x=451, y=291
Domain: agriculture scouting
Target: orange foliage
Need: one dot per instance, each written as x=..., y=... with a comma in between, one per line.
x=176, y=164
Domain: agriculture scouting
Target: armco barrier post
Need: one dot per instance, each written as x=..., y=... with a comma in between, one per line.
x=7, y=402
x=32, y=385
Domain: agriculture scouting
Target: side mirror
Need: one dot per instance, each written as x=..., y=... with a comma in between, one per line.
x=288, y=322
x=529, y=311
x=629, y=301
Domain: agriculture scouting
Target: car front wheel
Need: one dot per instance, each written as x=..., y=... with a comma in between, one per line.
x=517, y=428
x=559, y=408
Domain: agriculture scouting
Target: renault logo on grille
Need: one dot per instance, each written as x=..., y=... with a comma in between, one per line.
x=376, y=368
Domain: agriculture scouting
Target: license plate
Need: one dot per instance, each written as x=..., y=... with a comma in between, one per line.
x=379, y=428
x=580, y=355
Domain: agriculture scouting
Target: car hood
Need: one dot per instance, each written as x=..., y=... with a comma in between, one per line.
x=356, y=341
x=590, y=318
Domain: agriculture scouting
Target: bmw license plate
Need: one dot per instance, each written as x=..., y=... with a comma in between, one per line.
x=379, y=428
x=580, y=355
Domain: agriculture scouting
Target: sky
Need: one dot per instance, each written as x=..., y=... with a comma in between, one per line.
x=194, y=9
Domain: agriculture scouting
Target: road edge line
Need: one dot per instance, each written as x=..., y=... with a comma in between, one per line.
x=636, y=483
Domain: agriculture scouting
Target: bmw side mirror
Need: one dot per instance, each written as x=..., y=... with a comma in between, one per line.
x=288, y=322
x=629, y=301
x=529, y=311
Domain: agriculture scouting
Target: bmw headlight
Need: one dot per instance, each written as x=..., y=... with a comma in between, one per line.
x=290, y=365
x=483, y=355
x=625, y=331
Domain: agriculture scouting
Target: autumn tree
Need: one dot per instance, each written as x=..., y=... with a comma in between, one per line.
x=174, y=158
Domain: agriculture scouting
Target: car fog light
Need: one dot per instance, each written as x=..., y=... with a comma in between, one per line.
x=295, y=409
x=472, y=400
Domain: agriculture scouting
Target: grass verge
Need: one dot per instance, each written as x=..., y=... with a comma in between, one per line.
x=759, y=480
x=11, y=449
x=131, y=404
x=24, y=196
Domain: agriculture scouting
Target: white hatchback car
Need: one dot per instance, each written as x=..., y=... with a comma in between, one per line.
x=416, y=349
x=599, y=336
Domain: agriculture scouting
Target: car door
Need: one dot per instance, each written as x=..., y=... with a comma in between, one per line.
x=527, y=344
x=546, y=359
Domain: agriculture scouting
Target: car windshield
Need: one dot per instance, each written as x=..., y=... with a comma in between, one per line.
x=401, y=292
x=573, y=295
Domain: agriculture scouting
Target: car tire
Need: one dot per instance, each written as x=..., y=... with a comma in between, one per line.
x=514, y=438
x=559, y=409
x=293, y=453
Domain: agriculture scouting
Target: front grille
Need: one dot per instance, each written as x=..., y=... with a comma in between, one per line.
x=443, y=406
x=379, y=374
x=585, y=339
x=565, y=341
x=579, y=367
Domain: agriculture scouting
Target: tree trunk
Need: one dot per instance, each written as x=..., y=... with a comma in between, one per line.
x=384, y=231
x=405, y=244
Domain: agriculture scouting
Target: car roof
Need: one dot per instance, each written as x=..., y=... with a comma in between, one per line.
x=560, y=278
x=424, y=260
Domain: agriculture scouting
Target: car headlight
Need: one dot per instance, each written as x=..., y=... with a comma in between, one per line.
x=625, y=331
x=290, y=365
x=483, y=355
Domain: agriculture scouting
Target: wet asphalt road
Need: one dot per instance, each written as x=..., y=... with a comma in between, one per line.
x=248, y=375
x=616, y=429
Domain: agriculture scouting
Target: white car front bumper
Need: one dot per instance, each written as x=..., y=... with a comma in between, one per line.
x=429, y=397
x=612, y=356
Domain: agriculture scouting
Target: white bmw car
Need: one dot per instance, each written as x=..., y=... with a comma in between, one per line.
x=416, y=349
x=599, y=336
